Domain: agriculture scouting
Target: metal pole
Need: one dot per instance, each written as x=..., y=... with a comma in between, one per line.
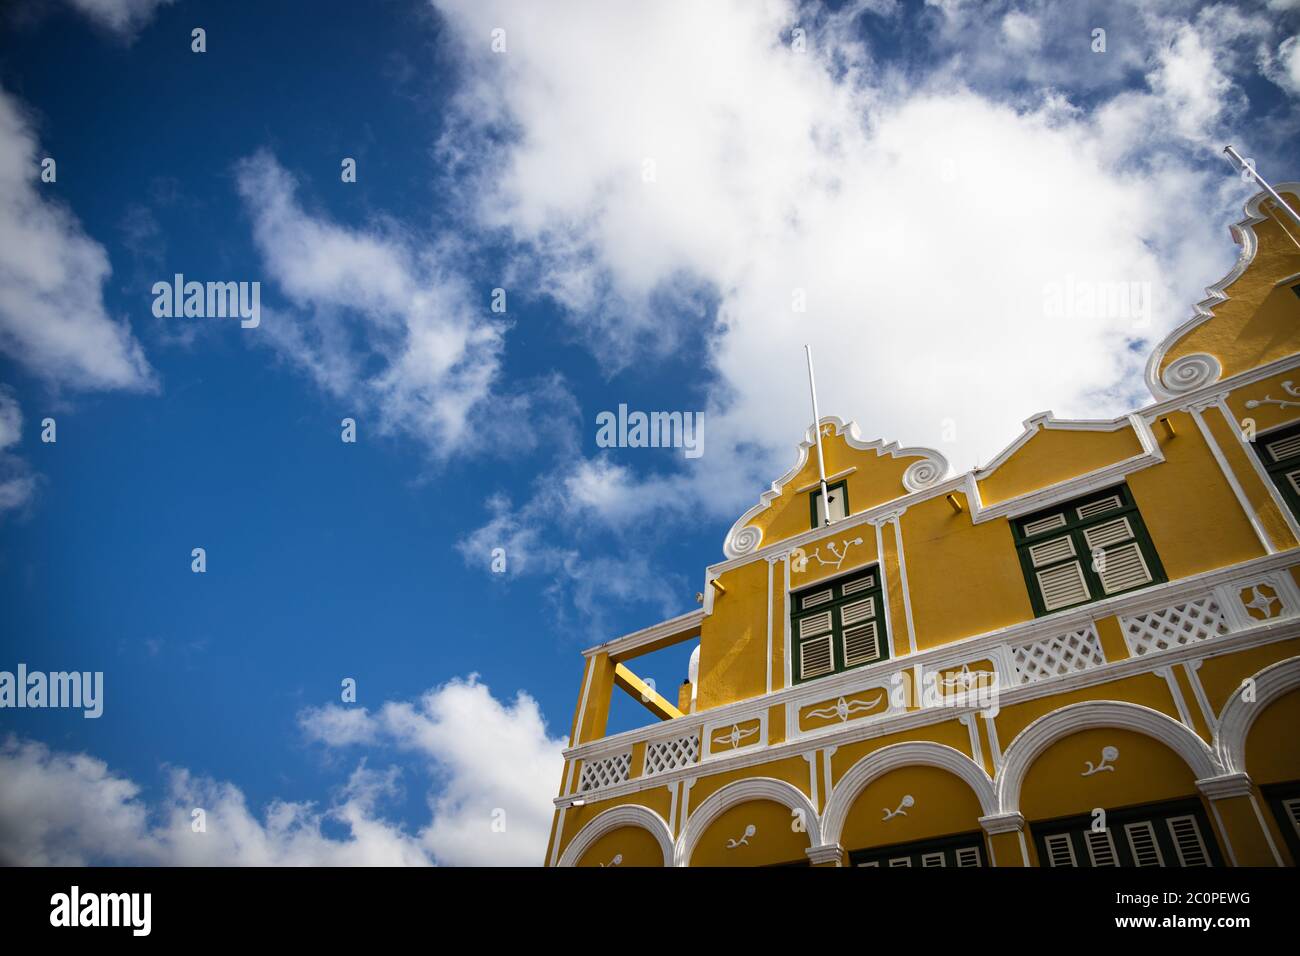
x=1246, y=167
x=817, y=428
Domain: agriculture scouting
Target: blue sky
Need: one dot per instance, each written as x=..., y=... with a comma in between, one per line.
x=651, y=188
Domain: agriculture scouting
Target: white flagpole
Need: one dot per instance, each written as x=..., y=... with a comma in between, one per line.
x=817, y=428
x=1248, y=168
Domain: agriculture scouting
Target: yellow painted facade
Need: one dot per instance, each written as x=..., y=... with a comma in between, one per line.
x=992, y=690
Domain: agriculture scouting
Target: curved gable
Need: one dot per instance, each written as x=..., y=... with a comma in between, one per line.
x=1249, y=317
x=874, y=472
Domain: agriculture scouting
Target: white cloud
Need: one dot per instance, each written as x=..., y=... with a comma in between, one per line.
x=371, y=295
x=124, y=17
x=17, y=484
x=69, y=809
x=493, y=760
x=52, y=314
x=925, y=222
x=1283, y=68
x=64, y=809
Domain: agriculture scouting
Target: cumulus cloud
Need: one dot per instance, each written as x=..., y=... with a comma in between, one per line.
x=925, y=225
x=377, y=317
x=493, y=761
x=53, y=319
x=1283, y=67
x=489, y=761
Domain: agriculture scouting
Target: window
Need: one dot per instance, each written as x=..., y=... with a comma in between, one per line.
x=839, y=492
x=1280, y=452
x=1173, y=834
x=1284, y=798
x=838, y=625
x=1085, y=550
x=959, y=851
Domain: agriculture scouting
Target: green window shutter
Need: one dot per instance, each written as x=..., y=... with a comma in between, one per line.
x=1280, y=453
x=1085, y=550
x=838, y=625
x=1175, y=834
x=839, y=492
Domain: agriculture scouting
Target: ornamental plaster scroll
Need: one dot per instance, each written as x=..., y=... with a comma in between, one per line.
x=1281, y=403
x=1191, y=372
x=1108, y=757
x=1164, y=386
x=919, y=475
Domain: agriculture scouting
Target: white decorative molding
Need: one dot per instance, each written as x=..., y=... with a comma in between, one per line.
x=1089, y=715
x=742, y=539
x=1010, y=822
x=750, y=830
x=1226, y=786
x=831, y=853
x=734, y=736
x=1238, y=714
x=628, y=815
x=1243, y=232
x=605, y=772
x=743, y=791
x=839, y=555
x=1109, y=755
x=1056, y=655
x=671, y=754
x=845, y=709
x=1191, y=372
x=909, y=753
x=904, y=805
x=1287, y=387
x=617, y=861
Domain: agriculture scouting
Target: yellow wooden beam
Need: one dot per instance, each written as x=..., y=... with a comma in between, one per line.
x=643, y=692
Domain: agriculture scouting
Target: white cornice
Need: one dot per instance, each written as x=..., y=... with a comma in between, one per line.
x=1244, y=234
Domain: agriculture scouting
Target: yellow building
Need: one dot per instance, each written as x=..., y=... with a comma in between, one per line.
x=1086, y=653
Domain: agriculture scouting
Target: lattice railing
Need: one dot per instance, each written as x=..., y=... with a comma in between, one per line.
x=605, y=772
x=1174, y=626
x=1057, y=655
x=664, y=755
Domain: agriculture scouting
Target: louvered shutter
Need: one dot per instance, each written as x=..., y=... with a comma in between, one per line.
x=1045, y=524
x=1187, y=841
x=815, y=657
x=1142, y=842
x=1062, y=586
x=1284, y=448
x=968, y=856
x=1060, y=850
x=933, y=859
x=1292, y=808
x=1123, y=568
x=1101, y=848
x=1049, y=552
x=861, y=645
x=901, y=861
x=1094, y=508
x=816, y=598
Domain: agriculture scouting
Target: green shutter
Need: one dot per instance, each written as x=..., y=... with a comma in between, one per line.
x=1280, y=453
x=838, y=625
x=1085, y=550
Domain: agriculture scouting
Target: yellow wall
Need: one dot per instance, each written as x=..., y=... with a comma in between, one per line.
x=1057, y=454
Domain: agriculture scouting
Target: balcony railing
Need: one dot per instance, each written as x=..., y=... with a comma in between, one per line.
x=1013, y=663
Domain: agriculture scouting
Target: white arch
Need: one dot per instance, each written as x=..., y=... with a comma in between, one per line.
x=1048, y=729
x=908, y=754
x=1239, y=715
x=743, y=791
x=628, y=815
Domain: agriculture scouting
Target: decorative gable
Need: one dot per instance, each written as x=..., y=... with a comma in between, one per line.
x=1250, y=317
x=872, y=473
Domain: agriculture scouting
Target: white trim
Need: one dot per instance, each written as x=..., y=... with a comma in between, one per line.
x=976, y=749
x=1050, y=728
x=787, y=651
x=995, y=747
x=902, y=579
x=828, y=784
x=1243, y=232
x=907, y=754
x=1238, y=716
x=811, y=758
x=1176, y=692
x=628, y=815
x=738, y=792
x=1268, y=833
x=559, y=835
x=1253, y=457
x=1223, y=832
x=1264, y=537
x=770, y=572
x=930, y=468
x=1190, y=668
